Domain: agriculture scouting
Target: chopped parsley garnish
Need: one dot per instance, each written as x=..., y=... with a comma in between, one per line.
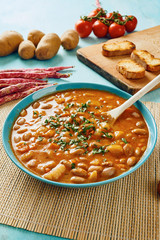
x=40, y=138
x=124, y=140
x=61, y=143
x=85, y=152
x=86, y=128
x=86, y=121
x=73, y=115
x=92, y=114
x=70, y=126
x=35, y=113
x=69, y=105
x=100, y=150
x=82, y=138
x=46, y=121
x=84, y=107
x=52, y=118
x=79, y=147
x=73, y=165
x=85, y=145
x=106, y=134
x=73, y=141
x=54, y=124
x=67, y=126
x=79, y=139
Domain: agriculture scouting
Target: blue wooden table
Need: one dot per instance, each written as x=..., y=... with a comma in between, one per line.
x=58, y=16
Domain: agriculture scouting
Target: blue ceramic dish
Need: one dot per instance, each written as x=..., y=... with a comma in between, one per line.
x=65, y=86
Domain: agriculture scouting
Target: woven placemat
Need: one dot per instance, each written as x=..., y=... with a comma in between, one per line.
x=123, y=210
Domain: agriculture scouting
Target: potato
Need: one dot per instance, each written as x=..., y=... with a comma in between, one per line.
x=9, y=42
x=35, y=36
x=69, y=39
x=26, y=49
x=48, y=46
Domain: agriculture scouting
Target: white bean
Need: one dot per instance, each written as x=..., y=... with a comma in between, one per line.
x=27, y=156
x=115, y=149
x=140, y=124
x=77, y=151
x=16, y=127
x=27, y=136
x=79, y=172
x=35, y=105
x=22, y=130
x=131, y=161
x=46, y=106
x=21, y=121
x=23, y=113
x=107, y=164
x=82, y=165
x=128, y=149
x=95, y=144
x=77, y=179
x=135, y=114
x=119, y=134
x=83, y=159
x=17, y=139
x=139, y=131
x=66, y=163
x=95, y=168
x=137, y=151
x=108, y=172
x=95, y=162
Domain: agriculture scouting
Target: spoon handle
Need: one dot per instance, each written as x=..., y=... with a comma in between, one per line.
x=137, y=96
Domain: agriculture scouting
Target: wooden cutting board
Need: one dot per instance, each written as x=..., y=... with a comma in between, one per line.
x=148, y=39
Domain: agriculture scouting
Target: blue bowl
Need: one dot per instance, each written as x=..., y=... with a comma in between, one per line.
x=65, y=86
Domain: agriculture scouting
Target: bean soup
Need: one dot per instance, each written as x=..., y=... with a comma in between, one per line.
x=66, y=137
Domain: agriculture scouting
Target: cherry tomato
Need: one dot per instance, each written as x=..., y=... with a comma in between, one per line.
x=116, y=30
x=84, y=28
x=118, y=15
x=94, y=13
x=131, y=25
x=100, y=29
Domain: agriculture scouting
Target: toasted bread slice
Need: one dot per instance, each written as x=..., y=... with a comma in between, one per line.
x=117, y=48
x=147, y=60
x=130, y=69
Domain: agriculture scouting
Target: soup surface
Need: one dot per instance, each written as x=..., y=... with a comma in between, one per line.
x=66, y=137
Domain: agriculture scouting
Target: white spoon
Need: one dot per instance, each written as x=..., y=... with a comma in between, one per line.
x=116, y=112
